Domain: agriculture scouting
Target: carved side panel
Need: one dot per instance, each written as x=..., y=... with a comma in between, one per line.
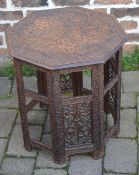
x=77, y=124
x=110, y=69
x=111, y=100
x=110, y=97
x=66, y=82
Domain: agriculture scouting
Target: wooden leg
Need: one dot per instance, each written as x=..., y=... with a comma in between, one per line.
x=56, y=117
x=118, y=92
x=42, y=85
x=106, y=80
x=98, y=110
x=22, y=104
x=77, y=80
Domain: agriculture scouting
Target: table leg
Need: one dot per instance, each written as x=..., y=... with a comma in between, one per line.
x=22, y=104
x=98, y=110
x=56, y=117
x=118, y=92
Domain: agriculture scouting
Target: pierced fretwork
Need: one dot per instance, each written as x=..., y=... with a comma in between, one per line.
x=77, y=124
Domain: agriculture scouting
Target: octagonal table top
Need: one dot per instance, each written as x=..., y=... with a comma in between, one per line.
x=65, y=38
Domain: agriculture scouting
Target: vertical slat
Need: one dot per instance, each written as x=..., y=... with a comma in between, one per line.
x=56, y=116
x=118, y=92
x=22, y=104
x=40, y=85
x=41, y=82
x=98, y=110
x=77, y=80
x=44, y=83
x=106, y=80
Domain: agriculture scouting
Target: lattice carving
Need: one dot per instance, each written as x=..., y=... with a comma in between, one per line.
x=66, y=82
x=111, y=100
x=112, y=68
x=77, y=125
x=111, y=71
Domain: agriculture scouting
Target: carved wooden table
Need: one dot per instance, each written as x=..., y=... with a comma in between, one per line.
x=68, y=41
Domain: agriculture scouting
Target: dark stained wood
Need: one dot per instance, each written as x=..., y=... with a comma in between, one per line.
x=36, y=96
x=62, y=41
x=31, y=104
x=56, y=117
x=83, y=149
x=75, y=100
x=82, y=37
x=40, y=145
x=111, y=84
x=98, y=110
x=22, y=105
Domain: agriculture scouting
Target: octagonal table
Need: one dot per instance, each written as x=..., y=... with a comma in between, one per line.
x=68, y=41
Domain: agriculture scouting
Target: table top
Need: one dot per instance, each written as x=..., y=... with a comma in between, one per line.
x=65, y=38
